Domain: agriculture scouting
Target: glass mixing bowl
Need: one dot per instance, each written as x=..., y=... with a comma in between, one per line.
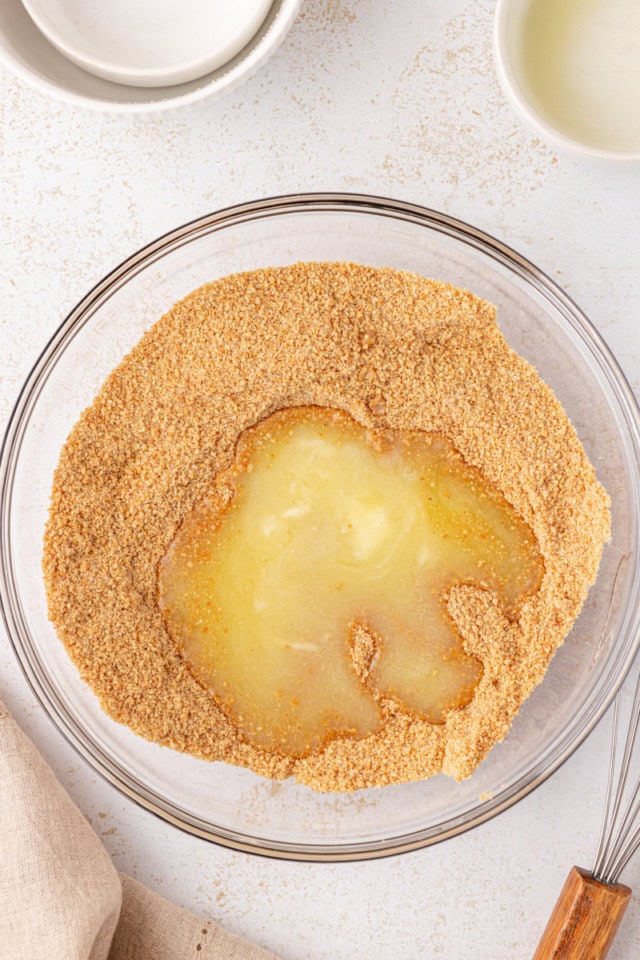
x=230, y=805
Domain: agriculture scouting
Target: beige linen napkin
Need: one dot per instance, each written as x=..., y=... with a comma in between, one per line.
x=61, y=898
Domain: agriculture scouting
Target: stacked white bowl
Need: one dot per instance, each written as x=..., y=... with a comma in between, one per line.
x=139, y=55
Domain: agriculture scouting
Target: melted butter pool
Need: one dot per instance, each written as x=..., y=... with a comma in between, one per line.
x=319, y=535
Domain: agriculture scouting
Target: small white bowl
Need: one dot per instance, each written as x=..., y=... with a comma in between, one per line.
x=149, y=43
x=509, y=31
x=25, y=50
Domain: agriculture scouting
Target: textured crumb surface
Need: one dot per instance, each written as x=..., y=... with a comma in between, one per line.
x=393, y=350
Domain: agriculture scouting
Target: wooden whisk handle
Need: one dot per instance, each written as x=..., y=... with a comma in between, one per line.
x=584, y=920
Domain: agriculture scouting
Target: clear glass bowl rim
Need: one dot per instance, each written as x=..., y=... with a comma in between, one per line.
x=602, y=694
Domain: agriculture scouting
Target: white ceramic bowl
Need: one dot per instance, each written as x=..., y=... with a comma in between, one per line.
x=26, y=51
x=509, y=27
x=149, y=43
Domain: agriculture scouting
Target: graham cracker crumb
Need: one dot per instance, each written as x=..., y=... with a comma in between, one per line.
x=393, y=350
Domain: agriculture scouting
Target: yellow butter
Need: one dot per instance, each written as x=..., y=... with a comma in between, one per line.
x=312, y=585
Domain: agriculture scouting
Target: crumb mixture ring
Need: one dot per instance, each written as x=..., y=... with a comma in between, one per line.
x=394, y=351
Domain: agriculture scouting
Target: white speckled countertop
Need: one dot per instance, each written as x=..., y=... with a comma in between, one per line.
x=396, y=97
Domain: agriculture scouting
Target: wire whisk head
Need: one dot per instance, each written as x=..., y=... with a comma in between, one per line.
x=620, y=833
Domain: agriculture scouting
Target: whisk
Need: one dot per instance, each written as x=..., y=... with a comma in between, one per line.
x=592, y=903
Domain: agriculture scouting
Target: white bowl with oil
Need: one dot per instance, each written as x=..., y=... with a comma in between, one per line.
x=571, y=68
